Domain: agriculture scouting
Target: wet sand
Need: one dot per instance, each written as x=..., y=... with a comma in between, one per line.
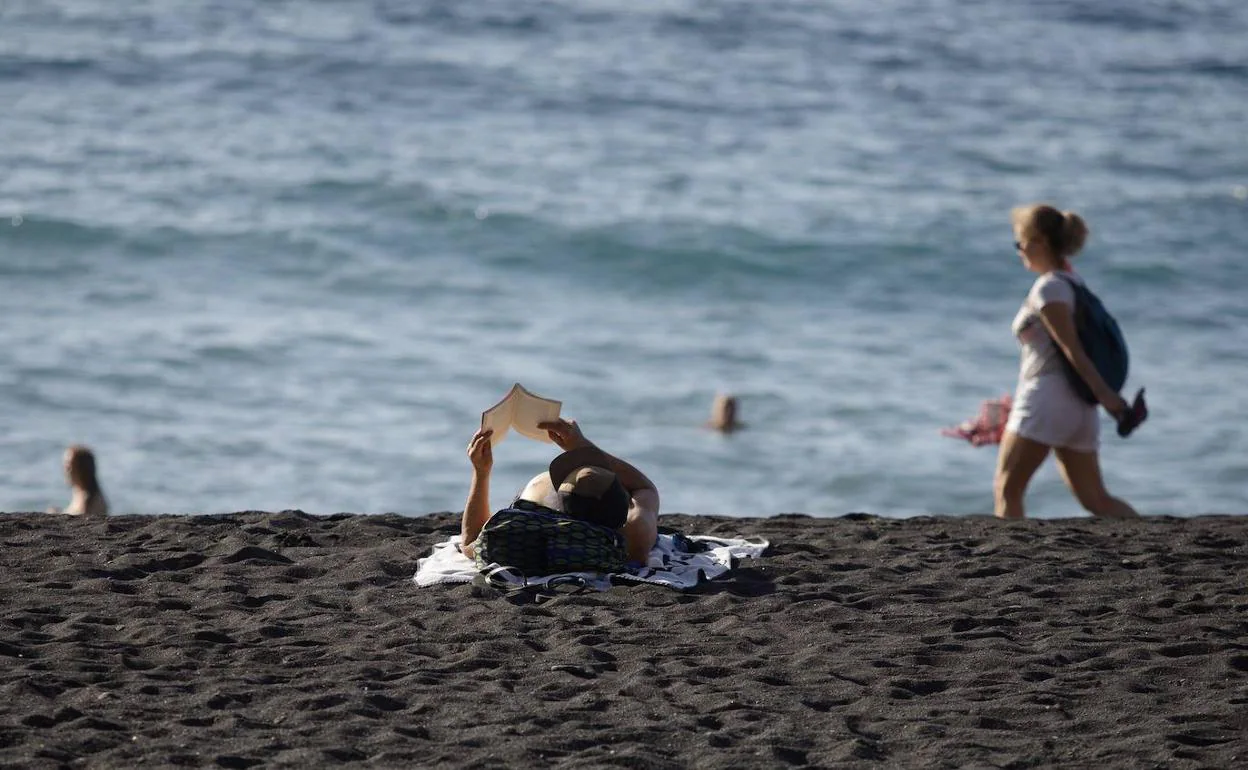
x=285, y=639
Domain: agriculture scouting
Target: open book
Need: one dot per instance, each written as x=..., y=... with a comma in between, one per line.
x=522, y=411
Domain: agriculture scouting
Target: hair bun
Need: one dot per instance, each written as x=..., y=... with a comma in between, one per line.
x=1074, y=233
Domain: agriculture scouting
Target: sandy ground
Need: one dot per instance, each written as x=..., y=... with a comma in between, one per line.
x=282, y=639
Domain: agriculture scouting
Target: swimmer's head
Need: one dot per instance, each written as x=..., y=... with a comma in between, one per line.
x=724, y=413
x=80, y=468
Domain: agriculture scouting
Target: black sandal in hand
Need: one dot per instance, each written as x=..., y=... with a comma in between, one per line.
x=1135, y=414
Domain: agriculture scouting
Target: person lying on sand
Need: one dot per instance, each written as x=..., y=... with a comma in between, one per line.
x=87, y=498
x=583, y=482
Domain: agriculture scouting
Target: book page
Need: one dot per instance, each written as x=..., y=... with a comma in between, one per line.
x=522, y=410
x=498, y=417
x=530, y=411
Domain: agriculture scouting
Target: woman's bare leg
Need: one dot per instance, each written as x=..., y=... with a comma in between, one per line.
x=1017, y=461
x=1082, y=473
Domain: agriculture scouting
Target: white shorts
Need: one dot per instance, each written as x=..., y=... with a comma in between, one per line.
x=1047, y=410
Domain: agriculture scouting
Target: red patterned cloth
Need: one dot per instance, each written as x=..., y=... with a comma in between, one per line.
x=988, y=425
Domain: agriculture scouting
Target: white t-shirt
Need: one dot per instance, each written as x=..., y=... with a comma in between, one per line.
x=1040, y=354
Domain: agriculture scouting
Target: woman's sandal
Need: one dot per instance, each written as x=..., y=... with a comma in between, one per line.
x=1132, y=418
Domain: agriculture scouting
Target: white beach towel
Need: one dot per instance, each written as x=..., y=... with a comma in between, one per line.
x=669, y=565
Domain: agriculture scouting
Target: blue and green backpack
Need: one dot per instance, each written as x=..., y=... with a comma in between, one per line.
x=1102, y=340
x=535, y=540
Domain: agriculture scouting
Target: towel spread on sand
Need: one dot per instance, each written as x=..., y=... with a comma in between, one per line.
x=672, y=563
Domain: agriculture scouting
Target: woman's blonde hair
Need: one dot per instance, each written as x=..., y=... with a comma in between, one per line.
x=1064, y=231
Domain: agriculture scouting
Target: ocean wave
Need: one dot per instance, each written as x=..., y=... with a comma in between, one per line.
x=472, y=17
x=26, y=228
x=1210, y=66
x=17, y=67
x=1125, y=15
x=1132, y=16
x=41, y=238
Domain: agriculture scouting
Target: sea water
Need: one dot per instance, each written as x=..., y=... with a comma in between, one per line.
x=282, y=255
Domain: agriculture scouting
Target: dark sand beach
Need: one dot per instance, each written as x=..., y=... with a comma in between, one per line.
x=282, y=639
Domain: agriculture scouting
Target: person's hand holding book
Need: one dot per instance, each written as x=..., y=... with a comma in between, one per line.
x=481, y=452
x=566, y=433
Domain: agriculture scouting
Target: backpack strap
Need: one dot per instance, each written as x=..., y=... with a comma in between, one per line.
x=1078, y=284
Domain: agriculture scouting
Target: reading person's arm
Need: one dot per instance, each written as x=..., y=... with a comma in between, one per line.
x=477, y=507
x=641, y=529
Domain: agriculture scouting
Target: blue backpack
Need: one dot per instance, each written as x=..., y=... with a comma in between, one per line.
x=1102, y=340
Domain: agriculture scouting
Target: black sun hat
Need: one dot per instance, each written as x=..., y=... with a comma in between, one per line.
x=588, y=489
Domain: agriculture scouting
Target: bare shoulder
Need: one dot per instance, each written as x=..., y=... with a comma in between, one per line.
x=646, y=501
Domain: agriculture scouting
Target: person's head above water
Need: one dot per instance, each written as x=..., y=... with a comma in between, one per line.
x=80, y=469
x=724, y=414
x=80, y=472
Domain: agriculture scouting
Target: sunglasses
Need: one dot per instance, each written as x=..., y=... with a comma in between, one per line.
x=1018, y=246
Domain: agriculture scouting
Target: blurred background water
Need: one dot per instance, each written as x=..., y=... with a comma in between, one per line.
x=281, y=255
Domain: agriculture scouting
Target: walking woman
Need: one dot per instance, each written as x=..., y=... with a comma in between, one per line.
x=1047, y=414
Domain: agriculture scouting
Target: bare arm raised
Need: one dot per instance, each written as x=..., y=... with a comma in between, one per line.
x=477, y=507
x=641, y=529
